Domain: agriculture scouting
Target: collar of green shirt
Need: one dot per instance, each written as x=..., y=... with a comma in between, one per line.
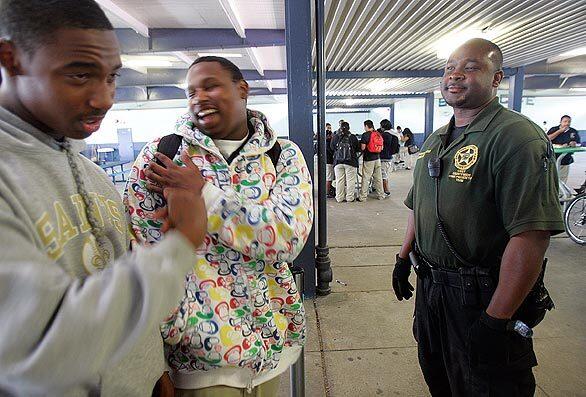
x=482, y=120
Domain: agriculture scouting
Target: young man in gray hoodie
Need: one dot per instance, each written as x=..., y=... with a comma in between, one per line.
x=78, y=314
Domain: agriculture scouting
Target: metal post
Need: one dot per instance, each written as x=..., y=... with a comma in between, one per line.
x=392, y=114
x=298, y=368
x=322, y=260
x=516, y=89
x=300, y=104
x=428, y=114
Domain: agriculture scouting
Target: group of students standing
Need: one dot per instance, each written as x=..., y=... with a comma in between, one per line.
x=371, y=156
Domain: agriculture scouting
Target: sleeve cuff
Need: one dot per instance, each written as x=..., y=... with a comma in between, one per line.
x=211, y=196
x=554, y=227
x=174, y=246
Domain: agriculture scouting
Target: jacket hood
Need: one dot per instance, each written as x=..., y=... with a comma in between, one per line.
x=18, y=135
x=261, y=140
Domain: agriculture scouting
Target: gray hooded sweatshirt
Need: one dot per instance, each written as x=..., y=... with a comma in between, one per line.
x=76, y=318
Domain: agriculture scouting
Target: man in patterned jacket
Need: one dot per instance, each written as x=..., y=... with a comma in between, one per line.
x=241, y=322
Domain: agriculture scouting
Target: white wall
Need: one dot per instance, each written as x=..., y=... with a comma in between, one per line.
x=146, y=124
x=276, y=115
x=151, y=123
x=551, y=109
x=538, y=109
x=411, y=113
x=355, y=119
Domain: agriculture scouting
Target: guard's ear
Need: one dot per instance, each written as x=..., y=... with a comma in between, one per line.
x=9, y=58
x=497, y=78
x=243, y=89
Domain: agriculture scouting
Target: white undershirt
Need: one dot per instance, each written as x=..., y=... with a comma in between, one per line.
x=228, y=147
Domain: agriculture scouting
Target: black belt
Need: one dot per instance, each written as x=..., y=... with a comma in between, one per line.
x=476, y=283
x=450, y=278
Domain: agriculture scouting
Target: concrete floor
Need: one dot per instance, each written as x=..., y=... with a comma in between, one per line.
x=360, y=341
x=359, y=337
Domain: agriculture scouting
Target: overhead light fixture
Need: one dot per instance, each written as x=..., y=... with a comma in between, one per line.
x=351, y=101
x=147, y=61
x=220, y=54
x=380, y=86
x=574, y=53
x=447, y=44
x=139, y=63
x=578, y=89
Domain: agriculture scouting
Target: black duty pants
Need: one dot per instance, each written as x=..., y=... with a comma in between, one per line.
x=441, y=328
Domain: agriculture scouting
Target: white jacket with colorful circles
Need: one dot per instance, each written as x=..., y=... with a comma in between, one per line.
x=241, y=306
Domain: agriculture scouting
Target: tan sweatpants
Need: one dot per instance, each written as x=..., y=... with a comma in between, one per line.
x=372, y=170
x=345, y=182
x=564, y=173
x=267, y=389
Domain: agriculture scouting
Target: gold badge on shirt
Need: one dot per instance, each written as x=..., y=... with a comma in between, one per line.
x=464, y=158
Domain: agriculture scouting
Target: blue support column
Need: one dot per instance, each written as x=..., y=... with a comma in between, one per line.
x=392, y=114
x=300, y=102
x=516, y=89
x=429, y=101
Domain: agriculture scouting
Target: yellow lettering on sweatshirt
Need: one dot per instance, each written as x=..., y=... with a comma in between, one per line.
x=80, y=208
x=49, y=236
x=97, y=212
x=115, y=215
x=66, y=229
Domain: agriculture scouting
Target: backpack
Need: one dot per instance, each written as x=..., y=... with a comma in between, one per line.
x=375, y=143
x=344, y=150
x=169, y=145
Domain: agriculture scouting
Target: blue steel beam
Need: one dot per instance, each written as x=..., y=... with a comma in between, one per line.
x=298, y=38
x=393, y=74
x=166, y=40
x=157, y=93
x=160, y=76
x=357, y=107
x=377, y=96
x=165, y=76
x=516, y=90
x=392, y=114
x=131, y=94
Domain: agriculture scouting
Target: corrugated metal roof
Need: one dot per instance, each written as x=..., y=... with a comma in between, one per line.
x=402, y=35
x=364, y=35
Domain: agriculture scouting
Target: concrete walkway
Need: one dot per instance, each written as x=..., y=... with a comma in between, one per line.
x=360, y=341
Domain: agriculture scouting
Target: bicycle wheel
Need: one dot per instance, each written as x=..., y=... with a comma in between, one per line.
x=575, y=219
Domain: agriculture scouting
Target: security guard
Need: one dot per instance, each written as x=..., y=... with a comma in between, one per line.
x=484, y=205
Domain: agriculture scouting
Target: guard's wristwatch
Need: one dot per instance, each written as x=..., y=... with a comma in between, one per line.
x=498, y=324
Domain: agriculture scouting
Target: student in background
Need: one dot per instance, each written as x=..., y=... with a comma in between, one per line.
x=371, y=145
x=563, y=135
x=411, y=148
x=346, y=148
x=390, y=148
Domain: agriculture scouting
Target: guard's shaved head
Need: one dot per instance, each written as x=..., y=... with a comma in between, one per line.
x=486, y=48
x=472, y=74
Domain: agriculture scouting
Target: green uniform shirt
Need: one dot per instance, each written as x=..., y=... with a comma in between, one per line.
x=498, y=179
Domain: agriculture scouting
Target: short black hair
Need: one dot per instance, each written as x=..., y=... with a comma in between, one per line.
x=32, y=23
x=385, y=124
x=369, y=123
x=345, y=126
x=328, y=124
x=398, y=127
x=489, y=46
x=565, y=116
x=226, y=64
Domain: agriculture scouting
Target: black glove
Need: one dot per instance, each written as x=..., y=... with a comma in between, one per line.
x=489, y=341
x=401, y=285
